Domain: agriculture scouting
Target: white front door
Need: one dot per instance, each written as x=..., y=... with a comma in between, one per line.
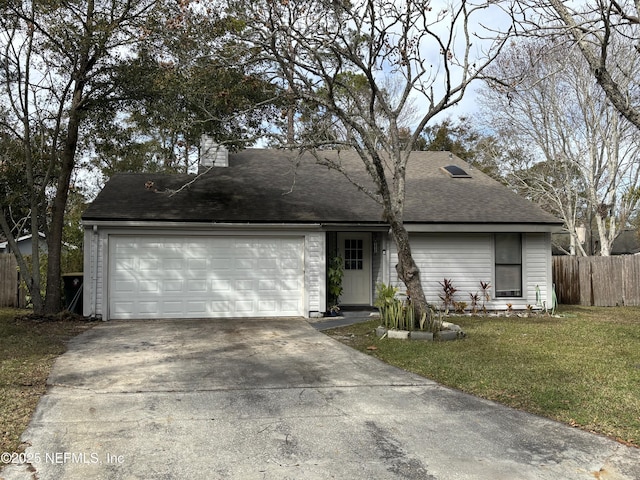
x=355, y=250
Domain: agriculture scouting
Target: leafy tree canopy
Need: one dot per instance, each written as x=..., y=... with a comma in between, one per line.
x=188, y=80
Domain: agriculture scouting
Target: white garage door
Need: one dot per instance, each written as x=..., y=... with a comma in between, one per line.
x=171, y=277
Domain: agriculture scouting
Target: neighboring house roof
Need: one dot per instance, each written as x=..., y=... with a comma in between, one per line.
x=277, y=186
x=627, y=243
x=24, y=243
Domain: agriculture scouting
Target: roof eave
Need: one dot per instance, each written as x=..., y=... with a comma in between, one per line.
x=195, y=225
x=525, y=227
x=540, y=227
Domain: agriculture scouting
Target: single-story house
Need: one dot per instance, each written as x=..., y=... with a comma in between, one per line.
x=255, y=235
x=25, y=244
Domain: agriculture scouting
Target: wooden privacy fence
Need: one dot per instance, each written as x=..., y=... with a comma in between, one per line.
x=11, y=295
x=597, y=281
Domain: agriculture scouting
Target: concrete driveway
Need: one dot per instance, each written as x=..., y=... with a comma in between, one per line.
x=275, y=399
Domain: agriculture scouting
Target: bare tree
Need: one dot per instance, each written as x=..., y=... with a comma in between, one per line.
x=363, y=66
x=583, y=162
x=601, y=30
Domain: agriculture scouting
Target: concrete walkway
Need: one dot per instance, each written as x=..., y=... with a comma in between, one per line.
x=343, y=320
x=276, y=399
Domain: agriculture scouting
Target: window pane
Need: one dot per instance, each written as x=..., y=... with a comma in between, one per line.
x=508, y=281
x=353, y=254
x=508, y=248
x=508, y=273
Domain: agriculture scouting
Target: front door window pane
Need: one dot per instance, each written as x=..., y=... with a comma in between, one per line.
x=353, y=254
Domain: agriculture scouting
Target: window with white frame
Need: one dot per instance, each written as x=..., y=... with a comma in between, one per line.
x=508, y=264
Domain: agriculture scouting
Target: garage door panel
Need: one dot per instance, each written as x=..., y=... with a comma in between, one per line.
x=122, y=309
x=125, y=264
x=176, y=264
x=173, y=308
x=289, y=307
x=126, y=244
x=265, y=306
x=245, y=285
x=220, y=308
x=148, y=308
x=149, y=286
x=220, y=264
x=269, y=285
x=196, y=308
x=197, y=286
x=205, y=276
x=244, y=306
x=125, y=286
x=221, y=286
x=167, y=244
x=245, y=263
x=172, y=286
x=197, y=264
x=289, y=284
x=270, y=264
x=151, y=264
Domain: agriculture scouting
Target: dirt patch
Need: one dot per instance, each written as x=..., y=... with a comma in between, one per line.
x=65, y=316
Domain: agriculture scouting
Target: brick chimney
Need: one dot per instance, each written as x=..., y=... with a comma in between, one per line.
x=212, y=154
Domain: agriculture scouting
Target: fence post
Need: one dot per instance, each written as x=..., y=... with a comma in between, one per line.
x=631, y=280
x=9, y=281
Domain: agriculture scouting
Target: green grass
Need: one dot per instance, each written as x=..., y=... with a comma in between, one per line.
x=582, y=369
x=27, y=351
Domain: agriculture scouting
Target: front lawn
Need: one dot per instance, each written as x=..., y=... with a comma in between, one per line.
x=28, y=348
x=582, y=368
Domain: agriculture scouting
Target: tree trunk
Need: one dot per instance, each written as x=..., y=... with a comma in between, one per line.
x=31, y=277
x=407, y=269
x=53, y=297
x=604, y=234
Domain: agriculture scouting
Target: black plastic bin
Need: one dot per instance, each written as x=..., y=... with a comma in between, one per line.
x=73, y=291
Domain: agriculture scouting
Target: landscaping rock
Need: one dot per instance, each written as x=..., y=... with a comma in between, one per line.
x=451, y=326
x=399, y=334
x=420, y=335
x=381, y=332
x=447, y=335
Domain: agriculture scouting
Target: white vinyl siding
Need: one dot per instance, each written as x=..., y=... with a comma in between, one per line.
x=92, y=281
x=537, y=258
x=315, y=272
x=467, y=259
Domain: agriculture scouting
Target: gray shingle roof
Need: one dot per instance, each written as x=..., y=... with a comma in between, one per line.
x=275, y=186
